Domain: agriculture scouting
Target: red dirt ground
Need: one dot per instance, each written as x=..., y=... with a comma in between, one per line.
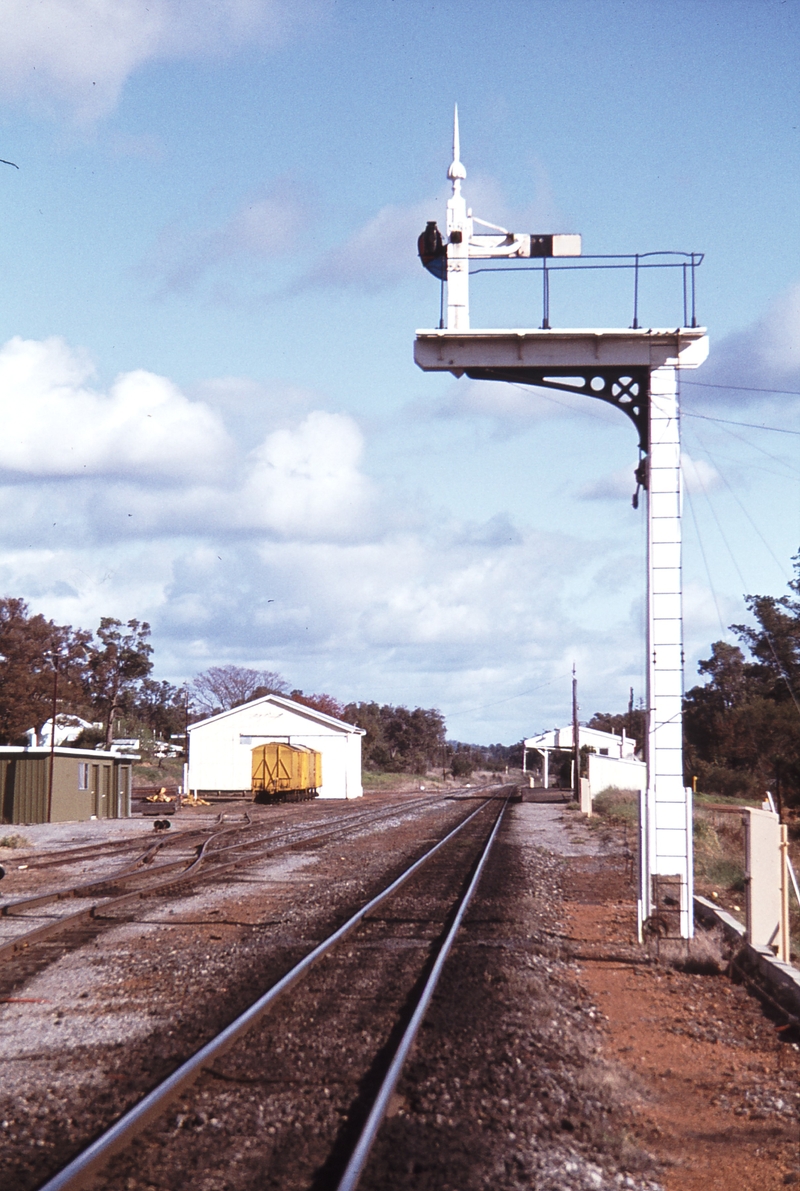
x=718, y=1086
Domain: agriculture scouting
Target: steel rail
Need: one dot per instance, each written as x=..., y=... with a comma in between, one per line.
x=191, y=871
x=11, y=909
x=358, y=1158
x=107, y=848
x=188, y=873
x=131, y=872
x=77, y=1173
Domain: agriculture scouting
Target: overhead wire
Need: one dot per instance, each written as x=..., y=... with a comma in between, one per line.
x=769, y=471
x=758, y=532
x=737, y=568
x=687, y=413
x=705, y=384
x=690, y=502
x=519, y=695
x=756, y=447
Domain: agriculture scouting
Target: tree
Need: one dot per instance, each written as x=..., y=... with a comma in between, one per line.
x=31, y=648
x=462, y=764
x=162, y=707
x=117, y=662
x=324, y=703
x=742, y=728
x=633, y=721
x=398, y=740
x=221, y=687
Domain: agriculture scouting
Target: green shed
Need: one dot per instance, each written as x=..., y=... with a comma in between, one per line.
x=86, y=785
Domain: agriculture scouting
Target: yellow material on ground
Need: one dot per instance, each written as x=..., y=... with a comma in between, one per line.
x=162, y=796
x=193, y=800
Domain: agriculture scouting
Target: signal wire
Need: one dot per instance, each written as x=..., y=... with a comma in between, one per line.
x=757, y=531
x=737, y=568
x=550, y=681
x=730, y=422
x=705, y=384
x=768, y=454
x=703, y=555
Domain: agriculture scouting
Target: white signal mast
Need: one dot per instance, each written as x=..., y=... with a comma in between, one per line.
x=635, y=369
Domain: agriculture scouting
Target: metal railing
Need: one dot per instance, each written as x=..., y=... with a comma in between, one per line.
x=686, y=262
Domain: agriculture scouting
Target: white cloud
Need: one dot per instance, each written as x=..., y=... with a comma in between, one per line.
x=382, y=251
x=144, y=459
x=379, y=254
x=267, y=225
x=305, y=482
x=765, y=355
x=54, y=425
x=698, y=474
x=79, y=53
x=284, y=553
x=781, y=346
x=618, y=485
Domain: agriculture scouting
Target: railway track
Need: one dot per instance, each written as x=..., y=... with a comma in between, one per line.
x=211, y=859
x=383, y=961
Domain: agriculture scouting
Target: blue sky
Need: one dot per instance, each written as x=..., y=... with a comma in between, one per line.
x=210, y=289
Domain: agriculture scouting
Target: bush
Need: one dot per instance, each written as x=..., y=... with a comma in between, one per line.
x=13, y=841
x=617, y=806
x=728, y=783
x=462, y=765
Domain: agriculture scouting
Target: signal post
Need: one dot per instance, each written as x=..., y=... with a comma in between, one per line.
x=636, y=370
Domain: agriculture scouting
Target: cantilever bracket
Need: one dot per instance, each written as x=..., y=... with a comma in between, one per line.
x=624, y=387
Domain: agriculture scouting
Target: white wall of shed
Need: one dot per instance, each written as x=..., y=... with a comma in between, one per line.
x=220, y=759
x=622, y=772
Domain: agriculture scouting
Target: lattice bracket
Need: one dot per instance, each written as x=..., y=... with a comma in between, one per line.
x=626, y=388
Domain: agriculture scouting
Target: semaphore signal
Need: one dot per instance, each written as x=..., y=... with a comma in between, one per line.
x=636, y=370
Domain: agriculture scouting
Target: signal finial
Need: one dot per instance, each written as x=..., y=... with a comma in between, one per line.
x=456, y=173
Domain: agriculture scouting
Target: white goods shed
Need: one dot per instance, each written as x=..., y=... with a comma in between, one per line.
x=220, y=748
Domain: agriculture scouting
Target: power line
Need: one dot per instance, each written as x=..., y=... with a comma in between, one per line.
x=767, y=634
x=563, y=404
x=730, y=422
x=533, y=690
x=704, y=384
x=756, y=447
x=705, y=560
x=758, y=532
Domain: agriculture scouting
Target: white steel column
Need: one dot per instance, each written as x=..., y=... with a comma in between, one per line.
x=459, y=234
x=666, y=822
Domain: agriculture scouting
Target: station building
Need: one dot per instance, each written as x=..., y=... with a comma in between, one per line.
x=87, y=784
x=221, y=747
x=612, y=759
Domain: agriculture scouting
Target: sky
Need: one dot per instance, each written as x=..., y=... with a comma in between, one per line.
x=211, y=416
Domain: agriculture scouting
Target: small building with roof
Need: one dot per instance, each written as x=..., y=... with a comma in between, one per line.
x=221, y=747
x=86, y=784
x=612, y=759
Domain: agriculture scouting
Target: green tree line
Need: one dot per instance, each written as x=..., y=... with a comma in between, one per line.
x=742, y=727
x=105, y=677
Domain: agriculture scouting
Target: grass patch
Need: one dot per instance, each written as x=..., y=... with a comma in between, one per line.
x=617, y=807
x=701, y=799
x=394, y=781
x=14, y=841
x=723, y=872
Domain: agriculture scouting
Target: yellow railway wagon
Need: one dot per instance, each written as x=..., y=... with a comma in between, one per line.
x=285, y=772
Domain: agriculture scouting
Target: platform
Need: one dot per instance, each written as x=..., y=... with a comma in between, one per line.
x=477, y=351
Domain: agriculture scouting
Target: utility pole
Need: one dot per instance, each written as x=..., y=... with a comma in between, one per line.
x=54, y=660
x=576, y=748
